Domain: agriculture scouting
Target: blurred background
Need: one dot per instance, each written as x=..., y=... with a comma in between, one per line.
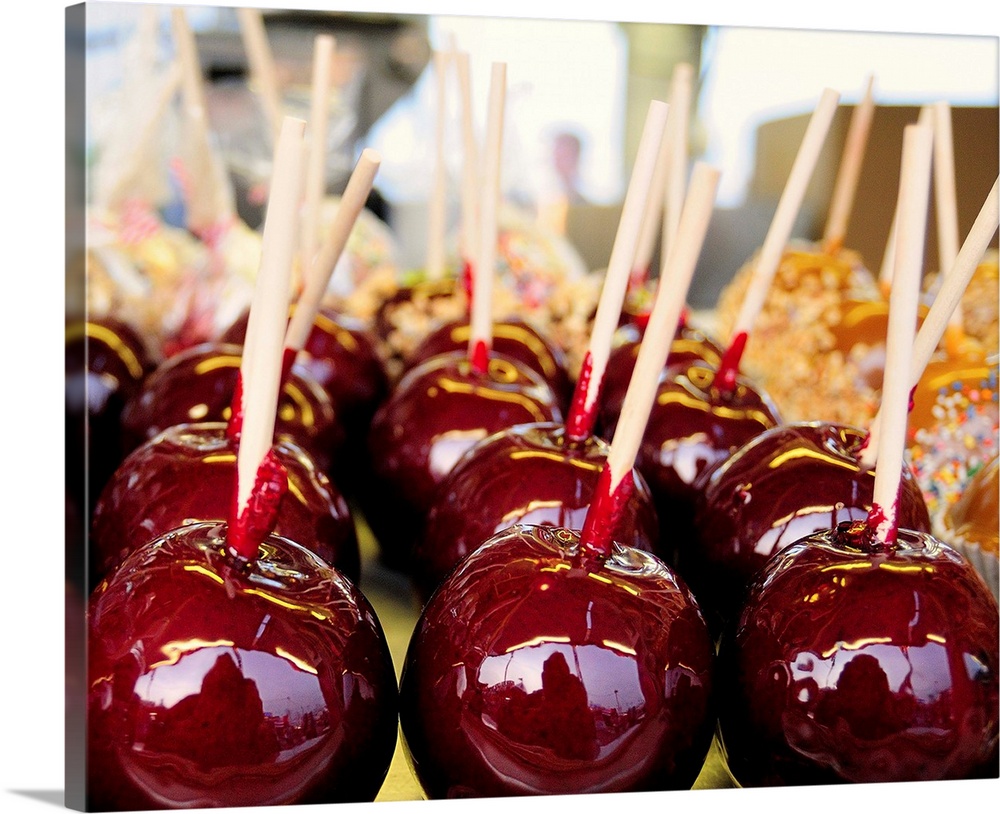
x=577, y=95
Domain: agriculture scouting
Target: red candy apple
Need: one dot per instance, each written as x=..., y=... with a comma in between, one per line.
x=341, y=356
x=531, y=474
x=781, y=486
x=438, y=410
x=854, y=662
x=216, y=680
x=539, y=668
x=692, y=427
x=689, y=346
x=106, y=364
x=198, y=384
x=511, y=337
x=188, y=473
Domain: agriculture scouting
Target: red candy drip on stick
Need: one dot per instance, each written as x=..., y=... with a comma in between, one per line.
x=257, y=519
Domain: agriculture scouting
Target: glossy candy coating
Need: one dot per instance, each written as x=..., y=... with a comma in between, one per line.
x=855, y=665
x=528, y=474
x=536, y=670
x=692, y=427
x=513, y=338
x=106, y=364
x=438, y=411
x=198, y=384
x=188, y=473
x=341, y=355
x=690, y=346
x=213, y=681
x=787, y=483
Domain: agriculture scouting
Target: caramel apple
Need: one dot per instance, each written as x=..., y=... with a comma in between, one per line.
x=188, y=474
x=786, y=483
x=972, y=523
x=537, y=668
x=217, y=680
x=438, y=410
x=854, y=662
x=529, y=474
x=792, y=353
x=198, y=384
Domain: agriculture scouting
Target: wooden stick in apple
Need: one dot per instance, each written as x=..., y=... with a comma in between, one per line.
x=260, y=479
x=777, y=237
x=583, y=409
x=652, y=216
x=469, y=229
x=359, y=185
x=438, y=197
x=666, y=193
x=914, y=191
x=141, y=136
x=681, y=90
x=210, y=203
x=935, y=325
x=262, y=67
x=846, y=185
x=889, y=256
x=946, y=209
x=614, y=488
x=315, y=177
x=481, y=321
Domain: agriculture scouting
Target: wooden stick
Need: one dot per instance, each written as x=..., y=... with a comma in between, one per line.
x=846, y=185
x=318, y=278
x=481, y=322
x=210, y=202
x=652, y=216
x=614, y=485
x=776, y=239
x=187, y=56
x=261, y=373
x=319, y=116
x=787, y=211
x=262, y=68
x=677, y=134
x=914, y=195
x=677, y=272
x=889, y=257
x=945, y=195
x=582, y=410
x=935, y=324
x=946, y=208
x=438, y=199
x=470, y=163
x=666, y=193
x=131, y=166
